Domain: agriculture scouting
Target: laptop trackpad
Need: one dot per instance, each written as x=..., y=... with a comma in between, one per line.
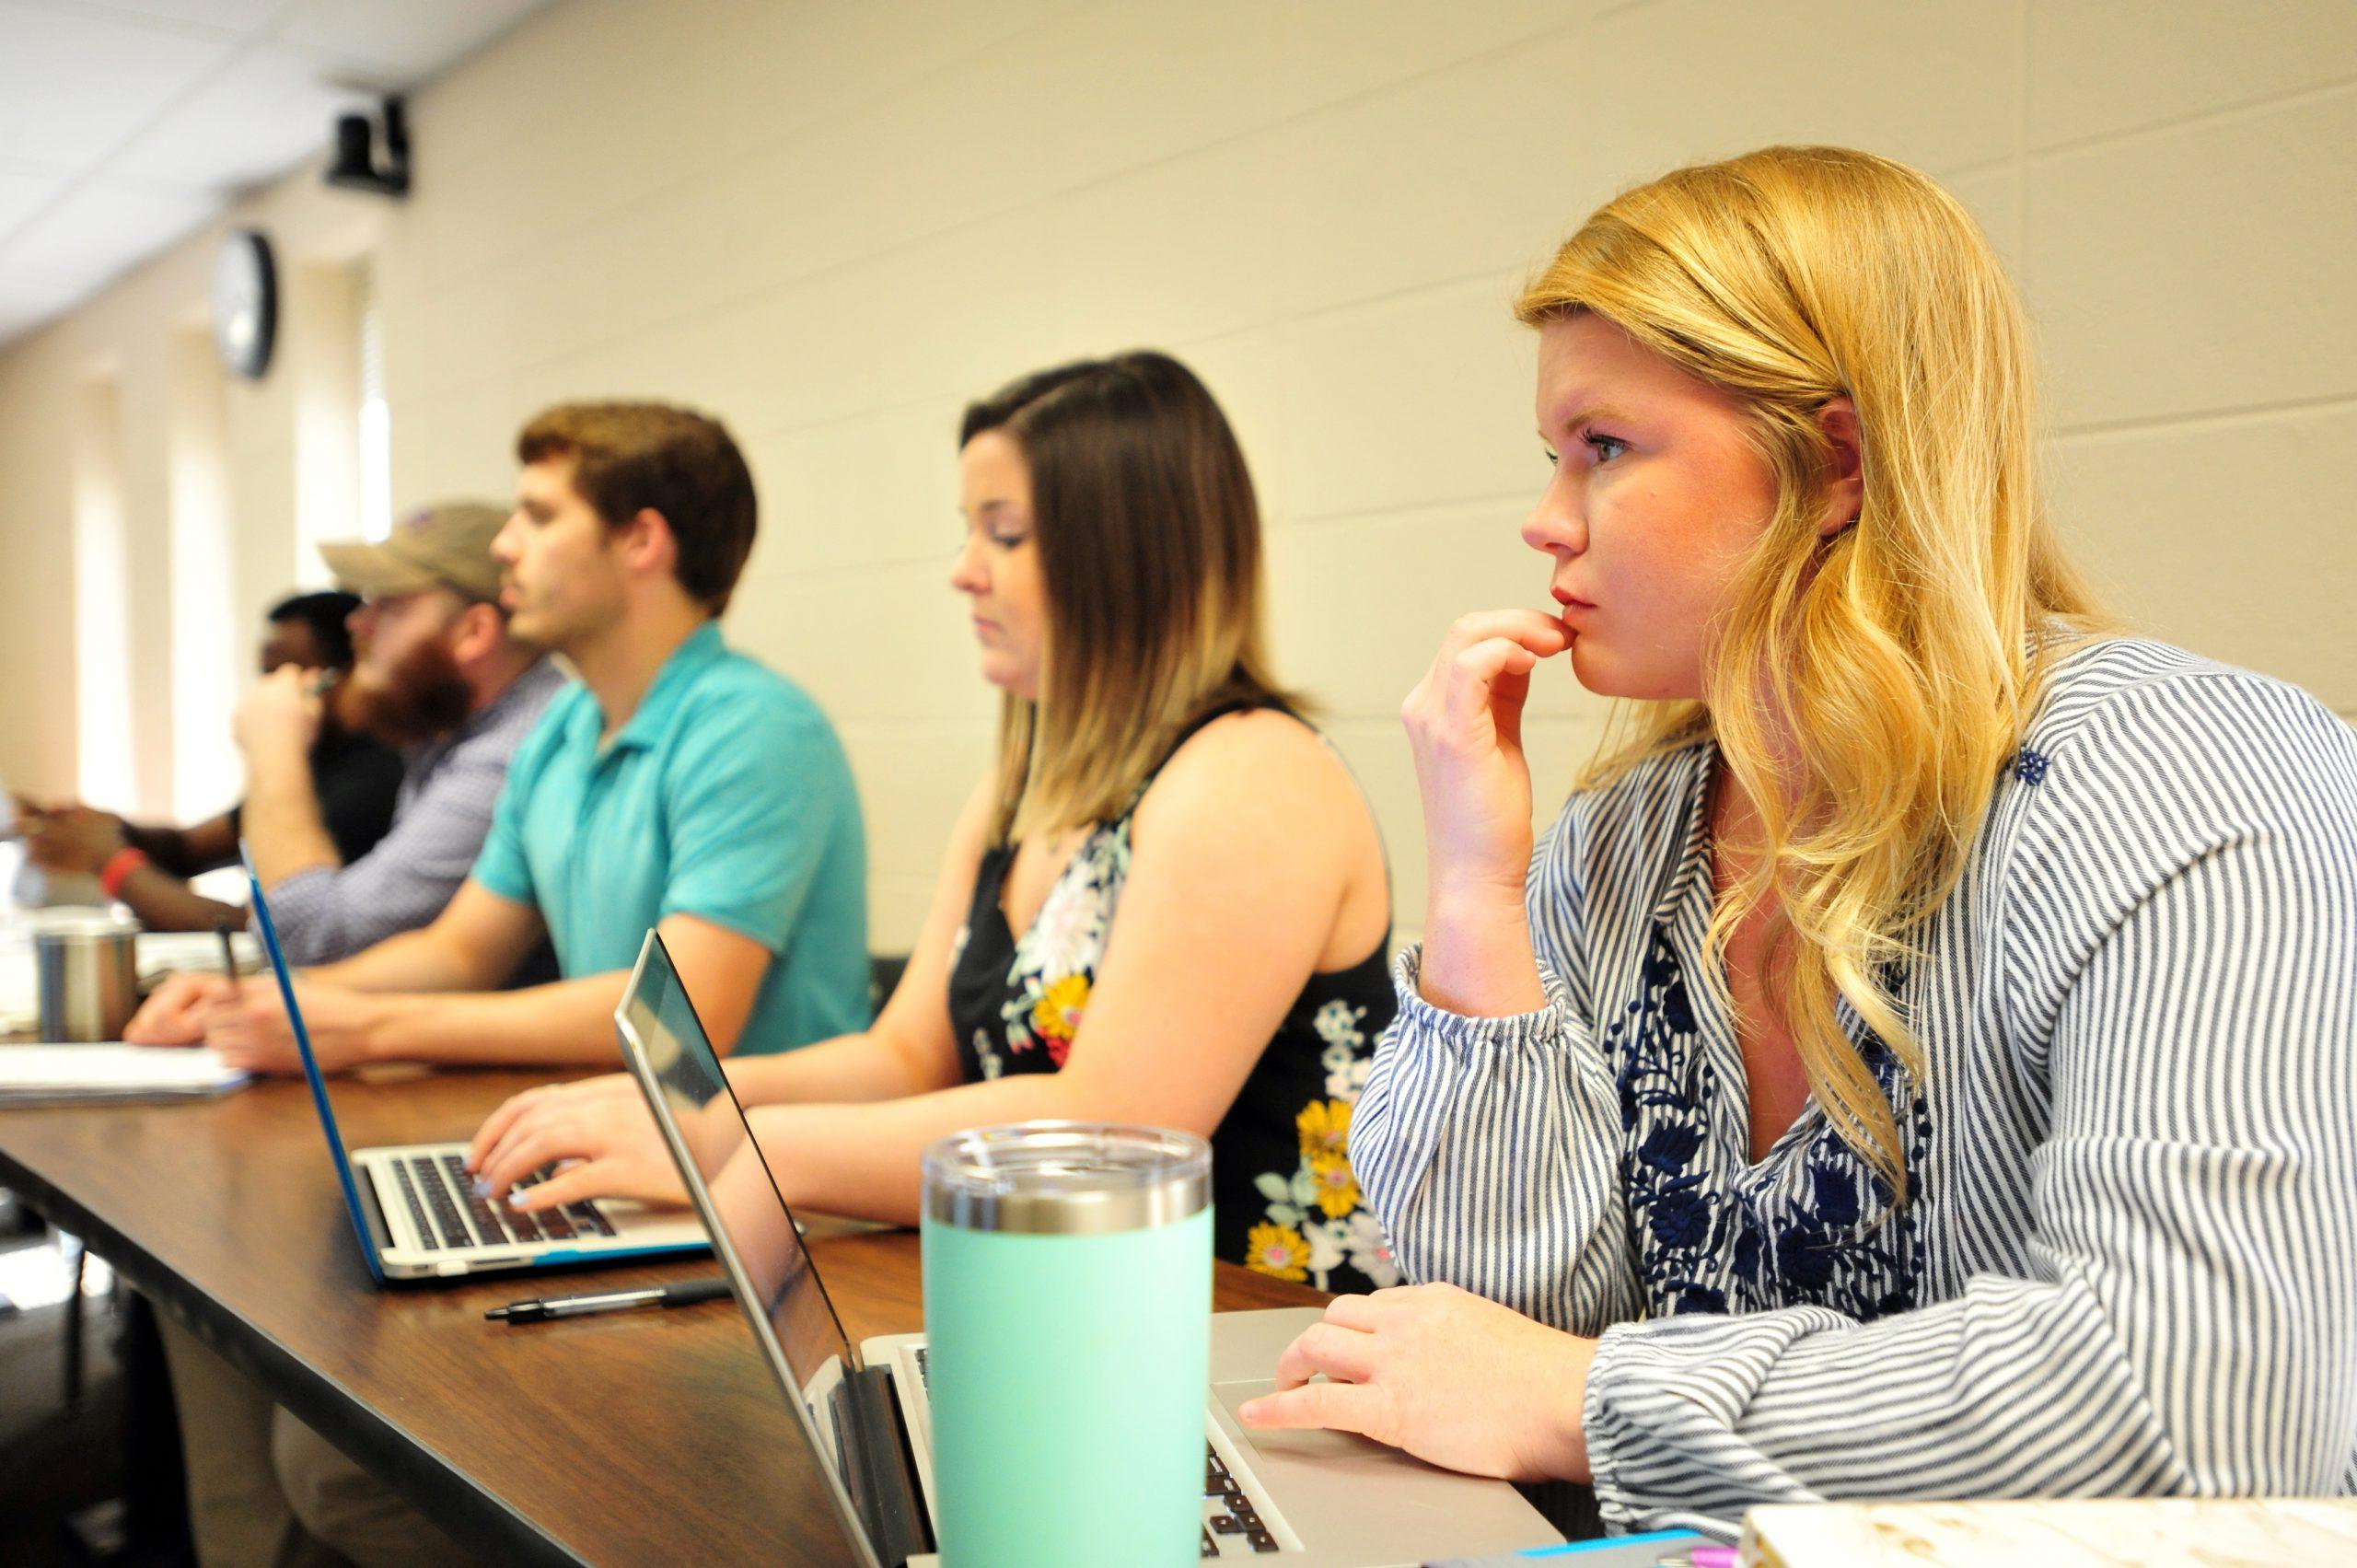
x=1306, y=1444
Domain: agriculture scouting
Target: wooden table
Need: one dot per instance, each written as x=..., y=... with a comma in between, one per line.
x=640, y=1438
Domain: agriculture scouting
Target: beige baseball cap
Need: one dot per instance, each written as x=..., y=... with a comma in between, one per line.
x=447, y=545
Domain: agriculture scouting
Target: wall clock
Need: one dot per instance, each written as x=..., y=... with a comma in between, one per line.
x=245, y=303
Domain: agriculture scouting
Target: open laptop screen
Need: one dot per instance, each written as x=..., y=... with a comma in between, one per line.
x=285, y=977
x=746, y=1205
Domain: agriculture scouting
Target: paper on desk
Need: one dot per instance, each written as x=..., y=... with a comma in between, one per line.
x=111, y=1071
x=2158, y=1532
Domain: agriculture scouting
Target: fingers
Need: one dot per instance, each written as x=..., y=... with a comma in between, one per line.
x=155, y=1027
x=1491, y=674
x=1544, y=635
x=1483, y=670
x=172, y=1013
x=249, y=1053
x=571, y=1185
x=219, y=1009
x=1344, y=1345
x=495, y=1126
x=537, y=1142
x=249, y=1029
x=1354, y=1311
x=1337, y=1407
x=1337, y=1351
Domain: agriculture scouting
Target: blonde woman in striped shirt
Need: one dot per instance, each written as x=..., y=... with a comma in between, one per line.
x=1921, y=1060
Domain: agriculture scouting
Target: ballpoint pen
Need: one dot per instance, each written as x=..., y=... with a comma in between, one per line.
x=685, y=1293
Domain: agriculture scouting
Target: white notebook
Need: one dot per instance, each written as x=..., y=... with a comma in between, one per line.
x=52, y=1072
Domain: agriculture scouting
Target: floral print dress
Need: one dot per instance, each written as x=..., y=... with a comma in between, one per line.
x=1284, y=1199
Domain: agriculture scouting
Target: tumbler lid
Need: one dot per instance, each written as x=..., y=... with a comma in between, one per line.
x=1065, y=1177
x=75, y=923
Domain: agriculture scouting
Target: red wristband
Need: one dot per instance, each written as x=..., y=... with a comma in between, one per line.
x=118, y=869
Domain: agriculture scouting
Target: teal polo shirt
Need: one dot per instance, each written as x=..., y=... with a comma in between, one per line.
x=727, y=797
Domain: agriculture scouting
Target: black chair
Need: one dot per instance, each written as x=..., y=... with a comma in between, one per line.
x=883, y=978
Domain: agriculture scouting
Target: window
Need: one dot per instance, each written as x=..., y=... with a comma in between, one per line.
x=101, y=599
x=375, y=421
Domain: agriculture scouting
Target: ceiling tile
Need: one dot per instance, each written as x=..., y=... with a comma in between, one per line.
x=99, y=229
x=263, y=115
x=21, y=194
x=219, y=16
x=124, y=123
x=399, y=43
x=73, y=86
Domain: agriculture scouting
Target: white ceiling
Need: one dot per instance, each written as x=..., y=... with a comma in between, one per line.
x=125, y=123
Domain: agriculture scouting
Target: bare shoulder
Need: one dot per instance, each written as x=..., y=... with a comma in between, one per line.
x=1262, y=770
x=970, y=834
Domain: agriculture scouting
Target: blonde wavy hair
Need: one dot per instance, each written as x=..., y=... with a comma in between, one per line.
x=1866, y=690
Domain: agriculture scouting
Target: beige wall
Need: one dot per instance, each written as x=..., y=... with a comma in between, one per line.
x=831, y=222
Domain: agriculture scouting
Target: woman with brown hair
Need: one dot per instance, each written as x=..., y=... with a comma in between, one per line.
x=1166, y=903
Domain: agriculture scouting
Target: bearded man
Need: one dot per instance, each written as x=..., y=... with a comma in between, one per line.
x=433, y=671
x=437, y=673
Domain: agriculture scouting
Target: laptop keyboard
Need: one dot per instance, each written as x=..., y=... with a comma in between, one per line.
x=1228, y=1514
x=442, y=1205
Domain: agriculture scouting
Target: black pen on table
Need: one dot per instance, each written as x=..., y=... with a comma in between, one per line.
x=686, y=1293
x=228, y=956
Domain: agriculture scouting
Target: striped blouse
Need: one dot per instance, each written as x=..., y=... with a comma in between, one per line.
x=2133, y=1261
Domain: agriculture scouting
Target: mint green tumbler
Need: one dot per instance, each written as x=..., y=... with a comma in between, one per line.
x=1067, y=1307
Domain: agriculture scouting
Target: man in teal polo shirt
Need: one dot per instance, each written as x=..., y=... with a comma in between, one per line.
x=680, y=785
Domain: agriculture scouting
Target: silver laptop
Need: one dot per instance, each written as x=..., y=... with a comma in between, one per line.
x=1298, y=1500
x=415, y=1208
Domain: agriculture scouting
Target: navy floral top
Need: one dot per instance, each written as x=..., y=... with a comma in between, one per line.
x=1285, y=1199
x=1711, y=1232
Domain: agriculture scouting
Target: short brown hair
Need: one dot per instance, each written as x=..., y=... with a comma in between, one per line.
x=1149, y=541
x=631, y=457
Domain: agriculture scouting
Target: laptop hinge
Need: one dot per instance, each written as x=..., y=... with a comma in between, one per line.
x=380, y=1227
x=878, y=1466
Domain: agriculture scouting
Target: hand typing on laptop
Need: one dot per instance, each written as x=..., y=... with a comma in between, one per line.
x=601, y=1124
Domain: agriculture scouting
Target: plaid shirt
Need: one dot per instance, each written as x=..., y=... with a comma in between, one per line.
x=439, y=820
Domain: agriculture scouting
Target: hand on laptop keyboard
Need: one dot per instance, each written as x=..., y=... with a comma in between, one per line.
x=447, y=1213
x=599, y=1125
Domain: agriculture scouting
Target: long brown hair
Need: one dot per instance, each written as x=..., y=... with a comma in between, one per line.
x=1149, y=542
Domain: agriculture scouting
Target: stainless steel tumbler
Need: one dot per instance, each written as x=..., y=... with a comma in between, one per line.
x=87, y=970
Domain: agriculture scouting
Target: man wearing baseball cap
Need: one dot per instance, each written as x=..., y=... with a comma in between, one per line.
x=435, y=672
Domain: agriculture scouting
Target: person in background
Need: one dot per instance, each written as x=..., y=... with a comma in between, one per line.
x=351, y=776
x=1919, y=1062
x=680, y=785
x=1166, y=903
x=437, y=672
